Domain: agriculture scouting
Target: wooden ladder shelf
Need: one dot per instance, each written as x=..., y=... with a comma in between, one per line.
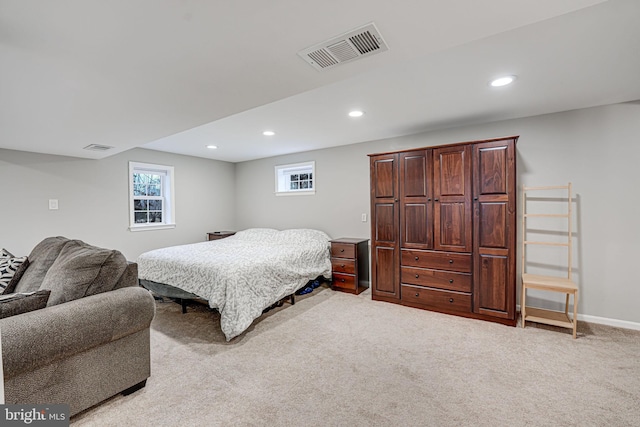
x=548, y=283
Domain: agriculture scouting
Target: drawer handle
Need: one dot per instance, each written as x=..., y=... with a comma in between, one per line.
x=417, y=294
x=341, y=250
x=417, y=275
x=416, y=258
x=450, y=280
x=342, y=265
x=450, y=261
x=451, y=300
x=342, y=280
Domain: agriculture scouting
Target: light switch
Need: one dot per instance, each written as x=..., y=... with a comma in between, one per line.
x=53, y=204
x=364, y=217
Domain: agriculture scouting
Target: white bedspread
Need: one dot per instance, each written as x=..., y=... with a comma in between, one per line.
x=243, y=274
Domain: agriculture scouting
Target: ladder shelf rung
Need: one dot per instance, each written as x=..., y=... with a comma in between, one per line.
x=552, y=187
x=527, y=242
x=547, y=215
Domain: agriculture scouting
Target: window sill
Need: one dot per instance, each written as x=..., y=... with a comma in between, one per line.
x=148, y=227
x=295, y=193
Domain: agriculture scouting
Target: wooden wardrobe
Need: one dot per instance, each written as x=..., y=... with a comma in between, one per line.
x=443, y=228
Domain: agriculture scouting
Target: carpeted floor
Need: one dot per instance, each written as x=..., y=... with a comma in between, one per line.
x=336, y=359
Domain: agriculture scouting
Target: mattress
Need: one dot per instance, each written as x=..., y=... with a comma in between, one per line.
x=243, y=274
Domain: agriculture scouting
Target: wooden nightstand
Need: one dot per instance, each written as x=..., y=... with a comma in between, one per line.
x=217, y=235
x=350, y=264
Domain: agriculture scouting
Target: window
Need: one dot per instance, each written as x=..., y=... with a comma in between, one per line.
x=151, y=198
x=296, y=179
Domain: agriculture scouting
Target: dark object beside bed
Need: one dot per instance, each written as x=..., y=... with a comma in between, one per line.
x=168, y=291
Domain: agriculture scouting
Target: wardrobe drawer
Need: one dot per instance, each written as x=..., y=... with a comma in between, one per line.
x=451, y=261
x=343, y=250
x=344, y=281
x=436, y=279
x=342, y=265
x=444, y=300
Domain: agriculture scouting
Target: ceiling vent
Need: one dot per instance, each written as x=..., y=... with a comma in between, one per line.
x=97, y=147
x=355, y=44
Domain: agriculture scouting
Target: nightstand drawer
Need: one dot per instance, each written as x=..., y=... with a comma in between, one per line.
x=344, y=281
x=343, y=250
x=343, y=265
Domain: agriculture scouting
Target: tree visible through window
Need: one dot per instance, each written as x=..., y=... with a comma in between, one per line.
x=147, y=197
x=151, y=196
x=296, y=178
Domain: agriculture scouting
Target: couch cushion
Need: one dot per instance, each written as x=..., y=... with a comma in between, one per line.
x=41, y=259
x=15, y=304
x=81, y=270
x=11, y=270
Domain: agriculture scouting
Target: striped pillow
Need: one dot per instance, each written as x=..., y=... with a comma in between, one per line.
x=5, y=254
x=11, y=270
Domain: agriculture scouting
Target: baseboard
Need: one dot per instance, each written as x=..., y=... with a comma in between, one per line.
x=610, y=322
x=625, y=324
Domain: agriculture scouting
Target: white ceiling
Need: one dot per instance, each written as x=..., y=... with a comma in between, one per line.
x=179, y=75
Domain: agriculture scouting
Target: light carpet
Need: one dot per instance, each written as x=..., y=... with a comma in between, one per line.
x=336, y=359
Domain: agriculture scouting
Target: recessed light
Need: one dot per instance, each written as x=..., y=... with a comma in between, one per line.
x=268, y=133
x=212, y=147
x=356, y=113
x=502, y=81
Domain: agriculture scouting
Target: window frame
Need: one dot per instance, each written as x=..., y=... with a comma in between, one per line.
x=167, y=196
x=281, y=171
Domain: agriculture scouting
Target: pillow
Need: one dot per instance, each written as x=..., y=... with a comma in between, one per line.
x=303, y=236
x=81, y=270
x=257, y=234
x=14, y=304
x=40, y=260
x=11, y=270
x=5, y=254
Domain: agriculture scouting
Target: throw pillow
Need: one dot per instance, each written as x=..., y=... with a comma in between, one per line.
x=14, y=304
x=81, y=270
x=40, y=260
x=11, y=270
x=5, y=254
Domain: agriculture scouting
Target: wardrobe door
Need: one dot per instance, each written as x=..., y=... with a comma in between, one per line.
x=385, y=241
x=452, y=199
x=416, y=218
x=494, y=195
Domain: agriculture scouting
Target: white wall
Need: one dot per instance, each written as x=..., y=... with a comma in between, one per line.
x=597, y=149
x=94, y=203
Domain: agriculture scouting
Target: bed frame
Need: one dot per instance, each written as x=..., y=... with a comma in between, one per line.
x=182, y=297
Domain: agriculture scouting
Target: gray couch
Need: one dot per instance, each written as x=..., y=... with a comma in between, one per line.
x=91, y=341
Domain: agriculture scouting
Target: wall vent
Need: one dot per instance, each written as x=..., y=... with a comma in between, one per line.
x=97, y=147
x=354, y=44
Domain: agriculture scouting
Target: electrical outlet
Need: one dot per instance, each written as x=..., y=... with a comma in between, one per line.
x=364, y=217
x=53, y=204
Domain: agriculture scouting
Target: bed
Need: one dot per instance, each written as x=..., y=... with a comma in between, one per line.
x=241, y=275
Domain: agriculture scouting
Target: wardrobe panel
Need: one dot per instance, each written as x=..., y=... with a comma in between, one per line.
x=492, y=170
x=385, y=225
x=384, y=178
x=492, y=232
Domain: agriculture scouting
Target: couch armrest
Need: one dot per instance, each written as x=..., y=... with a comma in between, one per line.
x=40, y=337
